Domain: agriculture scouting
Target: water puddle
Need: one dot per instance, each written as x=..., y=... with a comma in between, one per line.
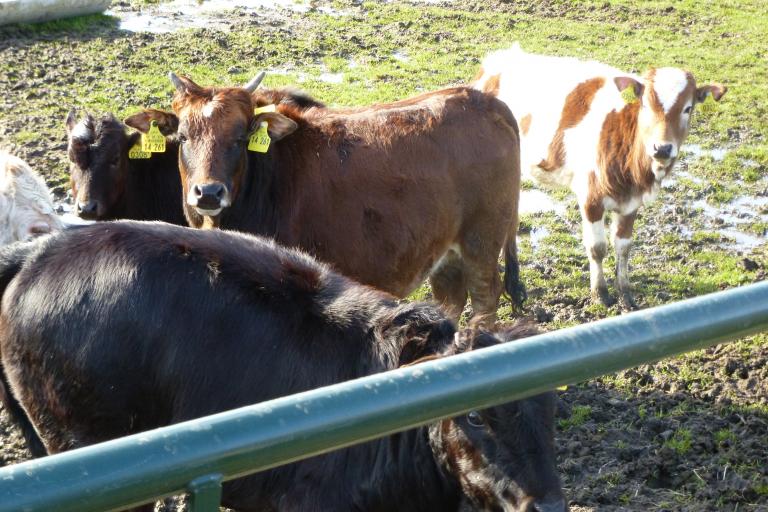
x=401, y=56
x=215, y=14
x=332, y=78
x=537, y=235
x=537, y=201
x=696, y=151
x=726, y=219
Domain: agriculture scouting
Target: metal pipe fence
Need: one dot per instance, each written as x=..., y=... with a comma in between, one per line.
x=197, y=456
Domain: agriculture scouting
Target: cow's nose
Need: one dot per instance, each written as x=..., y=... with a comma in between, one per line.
x=209, y=195
x=662, y=152
x=87, y=210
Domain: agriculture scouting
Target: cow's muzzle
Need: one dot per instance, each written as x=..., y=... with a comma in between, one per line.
x=209, y=198
x=88, y=210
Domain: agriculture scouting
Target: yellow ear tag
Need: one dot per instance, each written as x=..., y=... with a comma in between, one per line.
x=563, y=388
x=153, y=141
x=259, y=141
x=136, y=153
x=709, y=104
x=265, y=108
x=628, y=95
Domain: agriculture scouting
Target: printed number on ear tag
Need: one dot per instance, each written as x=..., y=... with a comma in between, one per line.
x=136, y=153
x=628, y=95
x=153, y=141
x=259, y=141
x=709, y=104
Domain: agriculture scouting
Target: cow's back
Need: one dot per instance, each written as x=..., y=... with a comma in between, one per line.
x=115, y=315
x=367, y=184
x=549, y=94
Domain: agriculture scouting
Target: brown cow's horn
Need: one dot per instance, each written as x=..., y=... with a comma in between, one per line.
x=177, y=83
x=253, y=84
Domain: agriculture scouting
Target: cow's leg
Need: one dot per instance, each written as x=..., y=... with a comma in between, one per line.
x=449, y=285
x=596, y=246
x=622, y=241
x=481, y=266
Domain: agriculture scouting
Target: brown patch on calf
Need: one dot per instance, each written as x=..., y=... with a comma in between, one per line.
x=491, y=86
x=525, y=124
x=625, y=225
x=624, y=165
x=576, y=106
x=593, y=207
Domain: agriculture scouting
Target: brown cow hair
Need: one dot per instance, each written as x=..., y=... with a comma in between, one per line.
x=576, y=106
x=525, y=124
x=622, y=160
x=491, y=86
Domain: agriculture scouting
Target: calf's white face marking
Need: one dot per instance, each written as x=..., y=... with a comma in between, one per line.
x=669, y=83
x=665, y=119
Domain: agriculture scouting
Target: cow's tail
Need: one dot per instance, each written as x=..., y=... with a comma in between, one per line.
x=513, y=286
x=11, y=260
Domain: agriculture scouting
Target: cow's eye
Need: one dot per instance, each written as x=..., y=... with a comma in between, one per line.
x=182, y=138
x=474, y=419
x=688, y=109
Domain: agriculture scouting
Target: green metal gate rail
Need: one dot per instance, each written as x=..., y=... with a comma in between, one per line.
x=196, y=456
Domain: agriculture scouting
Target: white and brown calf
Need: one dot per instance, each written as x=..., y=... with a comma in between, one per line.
x=26, y=207
x=578, y=130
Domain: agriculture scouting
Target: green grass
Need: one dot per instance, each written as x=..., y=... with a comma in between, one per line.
x=77, y=24
x=579, y=415
x=680, y=441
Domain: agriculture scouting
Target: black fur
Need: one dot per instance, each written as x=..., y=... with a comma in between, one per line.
x=120, y=327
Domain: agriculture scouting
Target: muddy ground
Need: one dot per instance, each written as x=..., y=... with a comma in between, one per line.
x=688, y=434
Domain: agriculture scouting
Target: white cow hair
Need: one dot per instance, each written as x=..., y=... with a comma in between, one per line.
x=25, y=202
x=82, y=131
x=668, y=83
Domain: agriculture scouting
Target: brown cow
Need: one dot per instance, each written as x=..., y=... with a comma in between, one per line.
x=389, y=194
x=608, y=135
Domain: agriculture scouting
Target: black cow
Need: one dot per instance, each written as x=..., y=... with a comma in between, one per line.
x=115, y=328
x=107, y=184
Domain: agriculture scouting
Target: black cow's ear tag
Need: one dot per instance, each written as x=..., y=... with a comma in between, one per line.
x=136, y=153
x=153, y=141
x=260, y=139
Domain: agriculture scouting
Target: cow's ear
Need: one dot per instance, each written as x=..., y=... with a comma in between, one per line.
x=421, y=330
x=279, y=127
x=716, y=90
x=70, y=121
x=77, y=151
x=166, y=121
x=133, y=139
x=625, y=82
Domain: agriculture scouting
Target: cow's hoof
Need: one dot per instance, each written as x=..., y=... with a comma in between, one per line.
x=518, y=296
x=601, y=295
x=628, y=302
